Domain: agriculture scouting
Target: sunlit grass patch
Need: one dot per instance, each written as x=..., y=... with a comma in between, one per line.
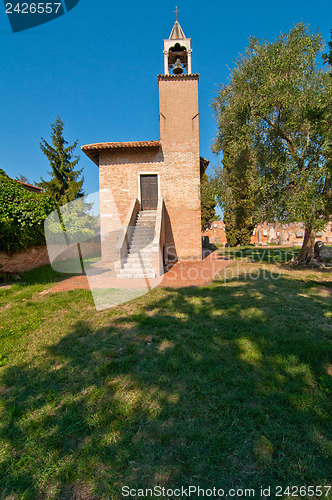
x=227, y=383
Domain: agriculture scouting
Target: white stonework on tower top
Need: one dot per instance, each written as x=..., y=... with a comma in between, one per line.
x=177, y=32
x=177, y=51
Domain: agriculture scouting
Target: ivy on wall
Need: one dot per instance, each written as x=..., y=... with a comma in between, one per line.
x=22, y=215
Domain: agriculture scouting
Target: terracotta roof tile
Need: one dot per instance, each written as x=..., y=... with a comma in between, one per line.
x=115, y=145
x=28, y=186
x=193, y=75
x=92, y=150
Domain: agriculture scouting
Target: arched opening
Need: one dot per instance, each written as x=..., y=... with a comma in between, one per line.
x=178, y=52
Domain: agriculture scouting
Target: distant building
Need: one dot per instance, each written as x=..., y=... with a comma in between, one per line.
x=279, y=234
x=30, y=187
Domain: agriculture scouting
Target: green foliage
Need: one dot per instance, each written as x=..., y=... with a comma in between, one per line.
x=238, y=193
x=23, y=178
x=278, y=105
x=238, y=231
x=3, y=360
x=328, y=57
x=65, y=185
x=22, y=215
x=208, y=201
x=326, y=383
x=74, y=222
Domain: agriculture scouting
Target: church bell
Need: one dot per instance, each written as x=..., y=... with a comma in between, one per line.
x=178, y=69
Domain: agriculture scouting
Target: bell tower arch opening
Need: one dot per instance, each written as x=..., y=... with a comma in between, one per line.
x=177, y=52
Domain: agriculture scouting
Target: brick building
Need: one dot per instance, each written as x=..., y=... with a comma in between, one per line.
x=150, y=191
x=30, y=187
x=264, y=233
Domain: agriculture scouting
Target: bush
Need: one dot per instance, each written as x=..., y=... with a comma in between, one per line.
x=22, y=215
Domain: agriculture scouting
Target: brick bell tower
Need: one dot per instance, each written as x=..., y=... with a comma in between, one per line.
x=179, y=134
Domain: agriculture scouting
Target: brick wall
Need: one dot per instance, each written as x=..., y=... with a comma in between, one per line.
x=216, y=233
x=284, y=234
x=179, y=134
x=177, y=164
x=24, y=260
x=119, y=183
x=32, y=258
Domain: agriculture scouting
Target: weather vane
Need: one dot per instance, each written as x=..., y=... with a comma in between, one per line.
x=176, y=11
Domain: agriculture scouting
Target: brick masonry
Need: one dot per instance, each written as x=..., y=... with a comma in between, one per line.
x=177, y=164
x=283, y=234
x=24, y=260
x=31, y=258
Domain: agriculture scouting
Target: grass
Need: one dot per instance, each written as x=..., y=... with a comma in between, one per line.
x=227, y=385
x=262, y=254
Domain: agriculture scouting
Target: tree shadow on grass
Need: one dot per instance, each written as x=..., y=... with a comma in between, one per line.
x=43, y=275
x=216, y=386
x=262, y=254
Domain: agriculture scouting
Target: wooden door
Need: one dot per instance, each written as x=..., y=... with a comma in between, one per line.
x=149, y=192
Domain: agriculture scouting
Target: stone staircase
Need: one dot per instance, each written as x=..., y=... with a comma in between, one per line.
x=138, y=263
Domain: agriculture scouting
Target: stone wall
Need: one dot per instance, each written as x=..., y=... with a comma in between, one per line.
x=32, y=258
x=24, y=260
x=280, y=234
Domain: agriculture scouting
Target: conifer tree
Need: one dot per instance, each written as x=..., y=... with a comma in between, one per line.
x=328, y=57
x=65, y=184
x=208, y=201
x=238, y=193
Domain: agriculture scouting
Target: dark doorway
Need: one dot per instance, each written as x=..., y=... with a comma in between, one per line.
x=149, y=192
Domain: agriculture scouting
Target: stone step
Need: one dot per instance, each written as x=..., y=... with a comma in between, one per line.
x=147, y=213
x=145, y=245
x=142, y=260
x=140, y=243
x=138, y=263
x=143, y=228
x=143, y=234
x=145, y=225
x=137, y=270
x=141, y=250
x=134, y=261
x=149, y=218
x=139, y=257
x=145, y=219
x=146, y=257
x=128, y=275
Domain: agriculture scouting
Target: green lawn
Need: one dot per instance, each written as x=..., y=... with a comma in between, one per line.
x=227, y=385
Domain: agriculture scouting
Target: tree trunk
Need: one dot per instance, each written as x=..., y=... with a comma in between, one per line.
x=306, y=254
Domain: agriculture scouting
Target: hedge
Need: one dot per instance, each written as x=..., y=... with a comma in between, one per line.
x=22, y=215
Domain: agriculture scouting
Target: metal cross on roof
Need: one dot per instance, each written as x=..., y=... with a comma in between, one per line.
x=176, y=11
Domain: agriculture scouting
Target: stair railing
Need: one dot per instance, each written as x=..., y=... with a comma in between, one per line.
x=159, y=239
x=128, y=226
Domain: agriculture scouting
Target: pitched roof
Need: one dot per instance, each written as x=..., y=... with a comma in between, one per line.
x=177, y=32
x=184, y=76
x=30, y=187
x=92, y=150
x=203, y=165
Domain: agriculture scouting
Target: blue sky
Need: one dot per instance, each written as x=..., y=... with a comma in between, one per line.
x=97, y=67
